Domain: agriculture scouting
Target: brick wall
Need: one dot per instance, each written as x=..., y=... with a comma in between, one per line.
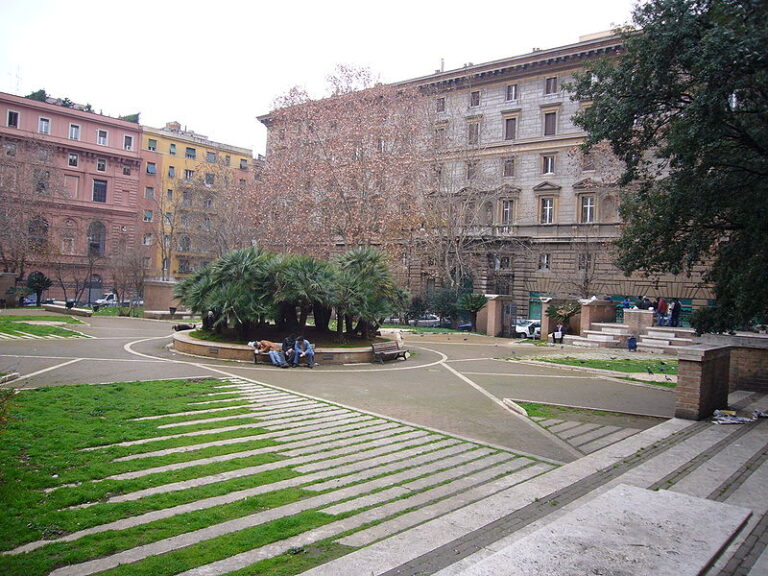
x=749, y=369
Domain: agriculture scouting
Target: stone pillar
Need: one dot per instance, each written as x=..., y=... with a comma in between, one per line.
x=702, y=381
x=638, y=320
x=158, y=295
x=596, y=311
x=489, y=318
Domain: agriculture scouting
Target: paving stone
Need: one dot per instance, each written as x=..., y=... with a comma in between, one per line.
x=299, y=421
x=550, y=422
x=312, y=438
x=574, y=432
x=595, y=434
x=563, y=426
x=606, y=440
x=308, y=409
x=628, y=531
x=483, y=469
x=427, y=513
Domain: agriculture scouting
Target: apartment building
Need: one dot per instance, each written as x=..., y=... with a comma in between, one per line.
x=191, y=191
x=69, y=180
x=531, y=216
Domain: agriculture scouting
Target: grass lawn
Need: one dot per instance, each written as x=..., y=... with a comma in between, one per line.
x=21, y=325
x=629, y=365
x=74, y=459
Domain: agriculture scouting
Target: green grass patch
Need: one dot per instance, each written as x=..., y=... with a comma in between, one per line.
x=117, y=311
x=14, y=325
x=536, y=410
x=657, y=366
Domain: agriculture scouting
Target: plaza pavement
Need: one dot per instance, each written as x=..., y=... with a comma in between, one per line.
x=456, y=480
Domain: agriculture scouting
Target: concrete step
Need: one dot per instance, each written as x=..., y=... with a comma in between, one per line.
x=601, y=336
x=613, y=325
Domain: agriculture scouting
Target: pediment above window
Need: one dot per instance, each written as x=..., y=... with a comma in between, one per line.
x=547, y=187
x=586, y=184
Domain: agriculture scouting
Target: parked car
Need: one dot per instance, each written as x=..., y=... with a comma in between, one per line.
x=527, y=329
x=427, y=321
x=109, y=299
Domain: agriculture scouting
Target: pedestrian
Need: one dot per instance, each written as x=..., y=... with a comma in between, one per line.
x=674, y=313
x=661, y=311
x=303, y=349
x=558, y=334
x=626, y=303
x=288, y=344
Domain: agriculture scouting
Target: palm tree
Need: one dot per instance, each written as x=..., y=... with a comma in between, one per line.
x=305, y=283
x=472, y=303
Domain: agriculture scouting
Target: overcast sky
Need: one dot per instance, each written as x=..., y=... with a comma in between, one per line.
x=216, y=65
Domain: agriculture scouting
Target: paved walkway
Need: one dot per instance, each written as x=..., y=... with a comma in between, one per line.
x=417, y=467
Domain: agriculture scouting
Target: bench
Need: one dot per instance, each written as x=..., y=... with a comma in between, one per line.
x=388, y=351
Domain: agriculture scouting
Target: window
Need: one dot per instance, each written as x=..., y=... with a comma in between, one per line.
x=146, y=262
x=587, y=209
x=72, y=160
x=190, y=154
x=185, y=244
x=511, y=92
x=152, y=144
x=149, y=193
x=210, y=157
x=186, y=198
x=171, y=172
x=242, y=183
x=97, y=236
x=588, y=162
x=44, y=126
x=43, y=154
x=101, y=137
x=474, y=98
x=550, y=85
x=13, y=119
x=151, y=168
x=547, y=215
x=10, y=148
x=440, y=104
x=128, y=142
x=148, y=214
x=126, y=170
x=548, y=164
x=585, y=261
x=99, y=190
x=172, y=149
x=38, y=233
x=189, y=174
x=208, y=202
x=169, y=195
x=168, y=220
x=550, y=123
x=506, y=212
x=243, y=164
x=209, y=179
x=147, y=240
x=510, y=128
x=440, y=136
x=545, y=261
x=227, y=160
x=471, y=170
x=509, y=167
x=473, y=133
x=74, y=132
x=101, y=164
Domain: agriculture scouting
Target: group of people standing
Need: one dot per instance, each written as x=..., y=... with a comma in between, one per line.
x=288, y=354
x=667, y=313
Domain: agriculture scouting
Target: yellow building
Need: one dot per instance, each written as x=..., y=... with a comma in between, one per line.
x=193, y=192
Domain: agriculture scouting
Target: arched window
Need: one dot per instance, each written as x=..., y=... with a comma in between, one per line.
x=97, y=239
x=38, y=233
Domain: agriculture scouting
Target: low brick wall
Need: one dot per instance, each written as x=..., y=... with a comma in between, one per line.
x=708, y=372
x=183, y=342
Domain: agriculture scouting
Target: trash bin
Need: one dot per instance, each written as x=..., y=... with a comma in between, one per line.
x=632, y=344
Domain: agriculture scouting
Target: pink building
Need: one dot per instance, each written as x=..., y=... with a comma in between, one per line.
x=69, y=186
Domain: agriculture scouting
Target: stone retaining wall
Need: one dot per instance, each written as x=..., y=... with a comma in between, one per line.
x=183, y=342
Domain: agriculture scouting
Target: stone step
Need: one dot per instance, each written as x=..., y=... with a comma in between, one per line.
x=601, y=336
x=611, y=325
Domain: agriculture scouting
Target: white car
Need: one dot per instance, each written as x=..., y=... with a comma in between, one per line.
x=427, y=321
x=107, y=300
x=527, y=329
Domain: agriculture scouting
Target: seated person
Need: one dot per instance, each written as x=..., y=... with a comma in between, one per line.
x=303, y=349
x=288, y=344
x=270, y=348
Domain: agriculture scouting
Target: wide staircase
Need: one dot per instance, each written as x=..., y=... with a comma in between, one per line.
x=655, y=339
x=681, y=498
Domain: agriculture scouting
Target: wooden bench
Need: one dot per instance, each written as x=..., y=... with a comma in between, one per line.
x=388, y=351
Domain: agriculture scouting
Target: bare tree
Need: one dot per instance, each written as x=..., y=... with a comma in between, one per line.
x=126, y=265
x=346, y=170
